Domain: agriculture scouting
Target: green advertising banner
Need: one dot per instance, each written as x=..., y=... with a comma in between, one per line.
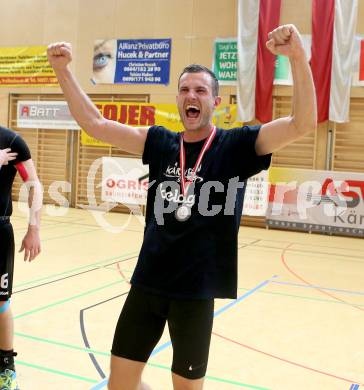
x=282, y=71
x=281, y=68
x=226, y=60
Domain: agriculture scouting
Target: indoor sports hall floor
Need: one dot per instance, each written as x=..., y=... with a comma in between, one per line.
x=298, y=322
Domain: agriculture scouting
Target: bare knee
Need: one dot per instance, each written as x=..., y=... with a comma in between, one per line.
x=181, y=383
x=125, y=374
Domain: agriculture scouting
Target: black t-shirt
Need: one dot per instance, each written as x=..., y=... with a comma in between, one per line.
x=196, y=258
x=9, y=139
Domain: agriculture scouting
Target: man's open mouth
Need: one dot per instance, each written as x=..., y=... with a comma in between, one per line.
x=192, y=111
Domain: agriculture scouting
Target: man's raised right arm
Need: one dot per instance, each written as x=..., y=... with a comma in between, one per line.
x=130, y=139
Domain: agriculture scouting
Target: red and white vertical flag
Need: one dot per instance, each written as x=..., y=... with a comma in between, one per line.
x=332, y=57
x=333, y=43
x=256, y=18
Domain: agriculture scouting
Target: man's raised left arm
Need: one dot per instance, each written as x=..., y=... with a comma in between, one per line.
x=285, y=40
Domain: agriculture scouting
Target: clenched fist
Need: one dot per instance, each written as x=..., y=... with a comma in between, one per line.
x=285, y=40
x=59, y=55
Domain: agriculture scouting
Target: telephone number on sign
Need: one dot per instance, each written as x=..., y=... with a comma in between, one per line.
x=142, y=79
x=142, y=69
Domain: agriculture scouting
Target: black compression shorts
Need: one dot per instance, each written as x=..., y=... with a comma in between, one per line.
x=7, y=248
x=141, y=324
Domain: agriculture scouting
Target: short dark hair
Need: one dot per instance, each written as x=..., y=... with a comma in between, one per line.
x=195, y=68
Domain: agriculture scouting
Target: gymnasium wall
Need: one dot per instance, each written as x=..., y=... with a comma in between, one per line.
x=193, y=25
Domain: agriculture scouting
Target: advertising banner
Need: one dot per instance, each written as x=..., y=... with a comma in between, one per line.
x=124, y=180
x=317, y=201
x=26, y=66
x=282, y=71
x=148, y=114
x=225, y=62
x=45, y=115
x=132, y=61
x=256, y=195
x=358, y=66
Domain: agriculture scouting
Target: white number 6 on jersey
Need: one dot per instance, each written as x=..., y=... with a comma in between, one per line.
x=4, y=282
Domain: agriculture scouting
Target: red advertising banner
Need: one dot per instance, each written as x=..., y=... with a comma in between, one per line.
x=316, y=201
x=361, y=63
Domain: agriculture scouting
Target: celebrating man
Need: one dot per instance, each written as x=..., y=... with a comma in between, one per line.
x=189, y=253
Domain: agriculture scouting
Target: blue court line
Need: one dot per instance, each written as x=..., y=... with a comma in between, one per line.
x=102, y=384
x=246, y=295
x=319, y=287
x=218, y=312
x=354, y=387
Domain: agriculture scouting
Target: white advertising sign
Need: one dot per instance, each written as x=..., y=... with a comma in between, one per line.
x=45, y=115
x=124, y=180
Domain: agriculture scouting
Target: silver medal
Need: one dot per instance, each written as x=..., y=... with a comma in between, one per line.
x=183, y=213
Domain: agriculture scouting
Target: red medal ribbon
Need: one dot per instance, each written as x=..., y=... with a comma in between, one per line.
x=185, y=184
